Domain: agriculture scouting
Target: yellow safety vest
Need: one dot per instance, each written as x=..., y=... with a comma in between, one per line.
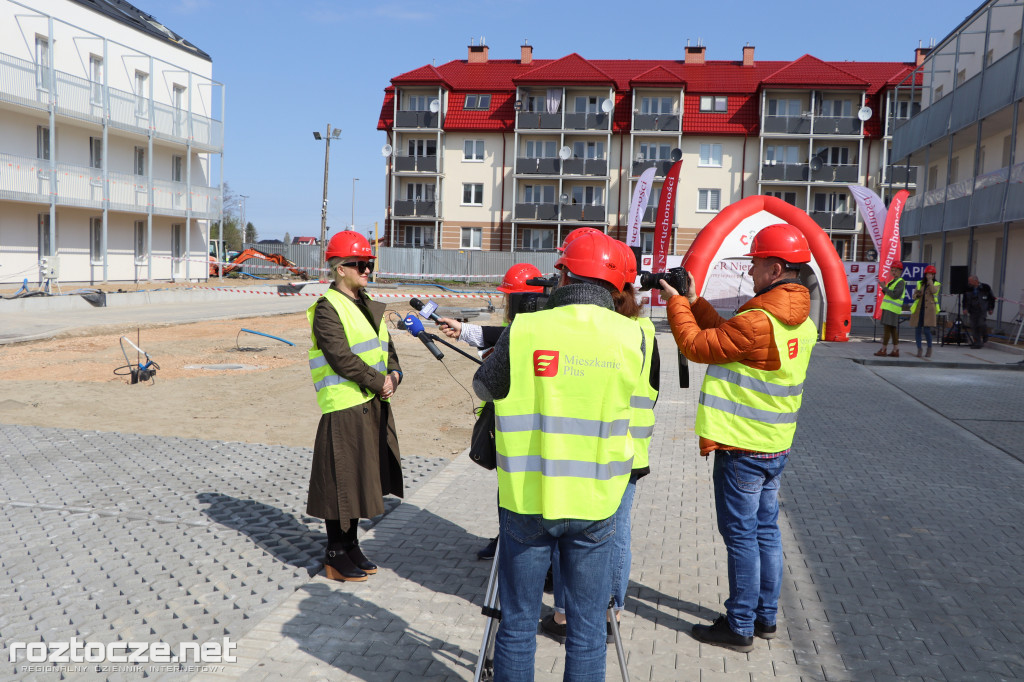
x=890, y=303
x=641, y=420
x=561, y=434
x=755, y=409
x=334, y=392
x=938, y=287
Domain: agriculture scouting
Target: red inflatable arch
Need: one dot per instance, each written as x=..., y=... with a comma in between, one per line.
x=746, y=217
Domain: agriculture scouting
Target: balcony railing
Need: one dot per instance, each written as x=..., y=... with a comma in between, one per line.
x=592, y=167
x=667, y=122
x=28, y=179
x=415, y=209
x=662, y=167
x=899, y=175
x=417, y=119
x=835, y=125
x=533, y=120
x=836, y=173
x=421, y=164
x=791, y=125
x=785, y=172
x=534, y=166
x=587, y=212
x=835, y=220
x=585, y=121
x=536, y=211
x=76, y=97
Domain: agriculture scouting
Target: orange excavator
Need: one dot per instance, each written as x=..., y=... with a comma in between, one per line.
x=250, y=254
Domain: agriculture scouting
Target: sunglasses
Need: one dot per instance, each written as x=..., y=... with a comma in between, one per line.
x=362, y=265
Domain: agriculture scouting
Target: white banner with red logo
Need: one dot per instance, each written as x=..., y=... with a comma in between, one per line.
x=663, y=227
x=872, y=210
x=638, y=204
x=889, y=252
x=863, y=279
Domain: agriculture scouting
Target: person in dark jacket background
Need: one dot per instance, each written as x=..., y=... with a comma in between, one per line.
x=978, y=303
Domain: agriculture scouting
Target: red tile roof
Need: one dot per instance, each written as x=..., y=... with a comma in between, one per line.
x=571, y=68
x=425, y=74
x=811, y=72
x=659, y=75
x=742, y=117
x=501, y=115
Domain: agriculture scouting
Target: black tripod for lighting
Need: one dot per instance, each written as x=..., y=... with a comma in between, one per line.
x=958, y=333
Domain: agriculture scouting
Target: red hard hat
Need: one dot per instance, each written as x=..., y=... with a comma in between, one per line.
x=596, y=256
x=781, y=241
x=515, y=278
x=577, y=233
x=897, y=264
x=929, y=270
x=346, y=244
x=628, y=260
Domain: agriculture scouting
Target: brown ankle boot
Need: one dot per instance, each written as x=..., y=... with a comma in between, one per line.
x=928, y=353
x=881, y=353
x=919, y=351
x=895, y=352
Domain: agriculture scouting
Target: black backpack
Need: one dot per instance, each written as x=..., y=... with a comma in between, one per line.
x=481, y=448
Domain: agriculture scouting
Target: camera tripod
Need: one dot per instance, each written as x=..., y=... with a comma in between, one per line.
x=485, y=659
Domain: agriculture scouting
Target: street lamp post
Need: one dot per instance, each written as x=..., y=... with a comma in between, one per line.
x=354, y=181
x=243, y=197
x=332, y=134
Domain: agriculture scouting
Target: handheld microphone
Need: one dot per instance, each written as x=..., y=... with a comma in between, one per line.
x=430, y=308
x=415, y=327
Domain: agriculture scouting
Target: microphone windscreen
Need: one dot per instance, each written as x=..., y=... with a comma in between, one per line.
x=413, y=324
x=416, y=303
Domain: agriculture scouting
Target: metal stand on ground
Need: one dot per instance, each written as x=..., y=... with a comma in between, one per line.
x=485, y=659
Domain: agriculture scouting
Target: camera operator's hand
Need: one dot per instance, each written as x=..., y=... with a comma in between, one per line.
x=450, y=328
x=667, y=290
x=691, y=288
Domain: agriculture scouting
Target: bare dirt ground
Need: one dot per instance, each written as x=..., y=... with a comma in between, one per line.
x=69, y=382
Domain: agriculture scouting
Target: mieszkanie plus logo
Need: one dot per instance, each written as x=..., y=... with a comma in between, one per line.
x=545, y=363
x=121, y=656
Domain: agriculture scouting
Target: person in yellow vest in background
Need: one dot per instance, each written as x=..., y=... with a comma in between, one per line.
x=355, y=372
x=561, y=380
x=757, y=361
x=892, y=306
x=925, y=309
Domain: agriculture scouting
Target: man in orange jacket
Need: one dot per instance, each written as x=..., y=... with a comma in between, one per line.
x=757, y=361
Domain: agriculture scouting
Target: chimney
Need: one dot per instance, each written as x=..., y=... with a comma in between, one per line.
x=526, y=53
x=477, y=53
x=748, y=55
x=695, y=55
x=919, y=54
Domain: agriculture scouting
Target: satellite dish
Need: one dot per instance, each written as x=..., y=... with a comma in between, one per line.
x=607, y=106
x=816, y=164
x=564, y=153
x=435, y=106
x=864, y=113
x=387, y=150
x=677, y=154
x=564, y=198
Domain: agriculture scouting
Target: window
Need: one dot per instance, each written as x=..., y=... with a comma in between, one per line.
x=536, y=103
x=906, y=108
x=419, y=235
x=961, y=76
x=710, y=155
x=96, y=152
x=43, y=245
x=178, y=102
x=842, y=248
x=938, y=92
x=989, y=56
x=588, y=150
x=538, y=240
x=176, y=250
x=141, y=92
x=422, y=147
x=139, y=165
x=784, y=107
x=471, y=237
x=708, y=200
x=177, y=163
x=655, y=152
x=933, y=178
x=1006, y=152
x=647, y=242
x=96, y=241
x=96, y=76
x=140, y=241
x=477, y=102
x=954, y=170
x=830, y=202
x=42, y=63
x=784, y=154
x=588, y=196
x=419, y=191
x=788, y=197
x=833, y=156
x=589, y=105
x=473, y=150
x=420, y=102
x=718, y=104
x=43, y=142
x=837, y=108
x=539, y=194
x=540, y=149
x=473, y=194
x=656, y=105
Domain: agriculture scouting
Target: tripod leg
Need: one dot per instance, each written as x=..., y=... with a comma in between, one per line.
x=619, y=650
x=485, y=660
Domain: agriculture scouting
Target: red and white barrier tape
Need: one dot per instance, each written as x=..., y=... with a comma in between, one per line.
x=482, y=294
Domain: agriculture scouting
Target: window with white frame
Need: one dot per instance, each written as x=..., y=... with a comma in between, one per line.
x=176, y=243
x=477, y=102
x=471, y=237
x=139, y=161
x=647, y=242
x=784, y=107
x=656, y=105
x=43, y=142
x=710, y=155
x=830, y=202
x=426, y=147
x=178, y=103
x=177, y=168
x=96, y=79
x=539, y=194
x=655, y=152
x=141, y=92
x=419, y=235
x=588, y=150
x=588, y=195
x=536, y=103
x=709, y=200
x=781, y=154
x=43, y=245
x=718, y=104
x=833, y=156
x=42, y=62
x=788, y=197
x=838, y=108
x=96, y=241
x=420, y=102
x=473, y=150
x=842, y=248
x=538, y=240
x=96, y=152
x=419, y=191
x=589, y=104
x=906, y=108
x=473, y=194
x=540, y=149
x=140, y=241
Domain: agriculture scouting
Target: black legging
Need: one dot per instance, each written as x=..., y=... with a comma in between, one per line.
x=339, y=539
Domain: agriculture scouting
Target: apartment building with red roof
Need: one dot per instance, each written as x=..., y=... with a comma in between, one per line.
x=512, y=154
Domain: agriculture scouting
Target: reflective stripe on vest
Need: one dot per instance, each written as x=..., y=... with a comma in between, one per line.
x=641, y=420
x=938, y=287
x=889, y=303
x=561, y=434
x=335, y=392
x=755, y=409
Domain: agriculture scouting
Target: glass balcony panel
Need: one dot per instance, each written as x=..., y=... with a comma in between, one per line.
x=1015, y=194
x=994, y=91
x=547, y=211
x=594, y=213
x=836, y=125
x=965, y=103
x=596, y=167
x=572, y=212
x=840, y=220
x=791, y=125
x=667, y=122
x=789, y=172
x=534, y=166
x=574, y=166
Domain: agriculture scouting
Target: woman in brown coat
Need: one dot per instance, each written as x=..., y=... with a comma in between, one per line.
x=925, y=308
x=356, y=459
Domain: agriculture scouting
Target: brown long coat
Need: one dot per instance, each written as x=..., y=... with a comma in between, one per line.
x=928, y=304
x=356, y=460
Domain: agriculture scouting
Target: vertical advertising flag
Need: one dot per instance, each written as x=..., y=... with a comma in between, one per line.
x=663, y=228
x=638, y=204
x=872, y=210
x=889, y=252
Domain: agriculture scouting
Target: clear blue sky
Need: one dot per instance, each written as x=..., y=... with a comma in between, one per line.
x=292, y=68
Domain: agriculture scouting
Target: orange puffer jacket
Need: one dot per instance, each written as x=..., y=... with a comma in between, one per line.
x=705, y=336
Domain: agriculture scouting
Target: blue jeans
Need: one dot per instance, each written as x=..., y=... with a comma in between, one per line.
x=927, y=334
x=526, y=542
x=747, y=504
x=622, y=555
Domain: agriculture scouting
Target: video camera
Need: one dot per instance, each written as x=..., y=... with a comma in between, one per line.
x=532, y=301
x=675, y=277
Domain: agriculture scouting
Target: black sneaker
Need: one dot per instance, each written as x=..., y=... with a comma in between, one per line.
x=765, y=631
x=488, y=551
x=555, y=631
x=720, y=634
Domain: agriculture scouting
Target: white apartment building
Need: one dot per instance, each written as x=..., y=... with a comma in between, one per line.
x=110, y=130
